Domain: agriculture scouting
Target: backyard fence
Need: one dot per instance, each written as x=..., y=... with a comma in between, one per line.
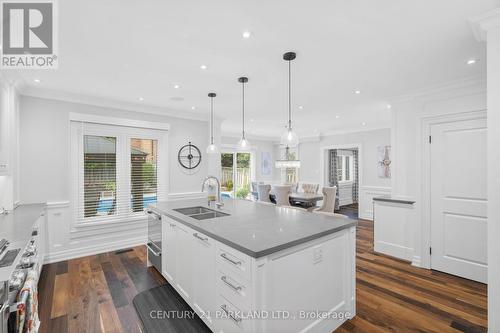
x=242, y=176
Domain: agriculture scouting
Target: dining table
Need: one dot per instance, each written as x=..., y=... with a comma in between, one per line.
x=301, y=199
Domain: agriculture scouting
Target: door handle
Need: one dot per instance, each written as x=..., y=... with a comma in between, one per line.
x=156, y=253
x=230, y=285
x=236, y=263
x=200, y=238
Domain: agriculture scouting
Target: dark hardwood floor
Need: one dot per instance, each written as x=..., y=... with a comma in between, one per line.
x=94, y=294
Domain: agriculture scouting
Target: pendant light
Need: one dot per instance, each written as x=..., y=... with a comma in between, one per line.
x=243, y=143
x=287, y=161
x=212, y=148
x=289, y=138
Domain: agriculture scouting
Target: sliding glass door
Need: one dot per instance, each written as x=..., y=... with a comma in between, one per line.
x=236, y=174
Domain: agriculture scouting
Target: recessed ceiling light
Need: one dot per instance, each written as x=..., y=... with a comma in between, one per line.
x=36, y=80
x=363, y=124
x=203, y=66
x=389, y=106
x=471, y=61
x=246, y=34
x=301, y=107
x=357, y=92
x=176, y=86
x=252, y=120
x=337, y=117
x=193, y=108
x=141, y=98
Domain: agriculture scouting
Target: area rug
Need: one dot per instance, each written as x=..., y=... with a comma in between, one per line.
x=162, y=309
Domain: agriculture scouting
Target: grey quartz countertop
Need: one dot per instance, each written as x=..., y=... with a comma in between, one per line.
x=388, y=198
x=256, y=229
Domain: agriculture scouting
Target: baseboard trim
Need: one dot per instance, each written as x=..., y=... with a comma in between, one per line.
x=416, y=261
x=93, y=249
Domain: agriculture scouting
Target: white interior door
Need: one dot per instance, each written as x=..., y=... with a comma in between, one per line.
x=458, y=198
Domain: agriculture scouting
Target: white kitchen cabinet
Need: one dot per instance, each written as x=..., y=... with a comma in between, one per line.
x=169, y=244
x=184, y=254
x=222, y=284
x=204, y=275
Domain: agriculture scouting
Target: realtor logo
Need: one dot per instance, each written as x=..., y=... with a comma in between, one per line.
x=28, y=35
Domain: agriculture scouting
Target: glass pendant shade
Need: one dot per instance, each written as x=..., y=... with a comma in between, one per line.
x=283, y=164
x=289, y=138
x=243, y=143
x=212, y=149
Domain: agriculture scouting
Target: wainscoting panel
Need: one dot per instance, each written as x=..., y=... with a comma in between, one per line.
x=366, y=195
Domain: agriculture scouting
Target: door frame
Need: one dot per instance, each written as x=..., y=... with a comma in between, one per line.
x=234, y=149
x=324, y=165
x=426, y=224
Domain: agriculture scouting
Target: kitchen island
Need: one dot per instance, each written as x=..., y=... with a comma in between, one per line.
x=250, y=267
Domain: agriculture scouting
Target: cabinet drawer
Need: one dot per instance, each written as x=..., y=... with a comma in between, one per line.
x=235, y=289
x=235, y=261
x=230, y=317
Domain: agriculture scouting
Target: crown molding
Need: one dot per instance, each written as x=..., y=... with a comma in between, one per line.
x=471, y=85
x=482, y=23
x=353, y=130
x=110, y=103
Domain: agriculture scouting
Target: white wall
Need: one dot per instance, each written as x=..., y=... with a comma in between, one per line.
x=408, y=139
x=256, y=147
x=9, y=135
x=45, y=172
x=314, y=168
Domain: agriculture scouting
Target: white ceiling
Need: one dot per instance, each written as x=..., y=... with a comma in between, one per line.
x=126, y=49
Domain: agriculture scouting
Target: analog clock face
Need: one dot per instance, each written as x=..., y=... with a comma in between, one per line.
x=189, y=156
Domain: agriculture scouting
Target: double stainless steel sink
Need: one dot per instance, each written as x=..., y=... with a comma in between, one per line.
x=200, y=213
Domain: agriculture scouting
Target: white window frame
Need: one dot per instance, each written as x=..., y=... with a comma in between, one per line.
x=232, y=149
x=124, y=131
x=351, y=169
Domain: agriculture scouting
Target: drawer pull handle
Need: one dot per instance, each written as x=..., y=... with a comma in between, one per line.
x=230, y=285
x=172, y=225
x=236, y=263
x=229, y=314
x=200, y=238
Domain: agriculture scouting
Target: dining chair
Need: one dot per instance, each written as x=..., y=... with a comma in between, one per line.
x=310, y=188
x=255, y=189
x=263, y=192
x=282, y=194
x=331, y=214
x=329, y=194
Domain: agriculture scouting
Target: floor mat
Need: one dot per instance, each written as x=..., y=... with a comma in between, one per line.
x=162, y=309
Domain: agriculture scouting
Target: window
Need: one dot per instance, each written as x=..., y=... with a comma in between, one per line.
x=236, y=174
x=99, y=175
x=117, y=171
x=143, y=175
x=344, y=168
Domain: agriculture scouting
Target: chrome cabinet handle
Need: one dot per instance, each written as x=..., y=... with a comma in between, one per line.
x=230, y=285
x=157, y=254
x=229, y=314
x=200, y=238
x=172, y=225
x=236, y=263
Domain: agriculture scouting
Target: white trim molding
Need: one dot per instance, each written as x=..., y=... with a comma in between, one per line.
x=482, y=23
x=365, y=202
x=103, y=120
x=423, y=216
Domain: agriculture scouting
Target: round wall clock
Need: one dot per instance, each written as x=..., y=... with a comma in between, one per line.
x=189, y=156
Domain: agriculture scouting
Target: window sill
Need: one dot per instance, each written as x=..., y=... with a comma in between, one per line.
x=106, y=223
